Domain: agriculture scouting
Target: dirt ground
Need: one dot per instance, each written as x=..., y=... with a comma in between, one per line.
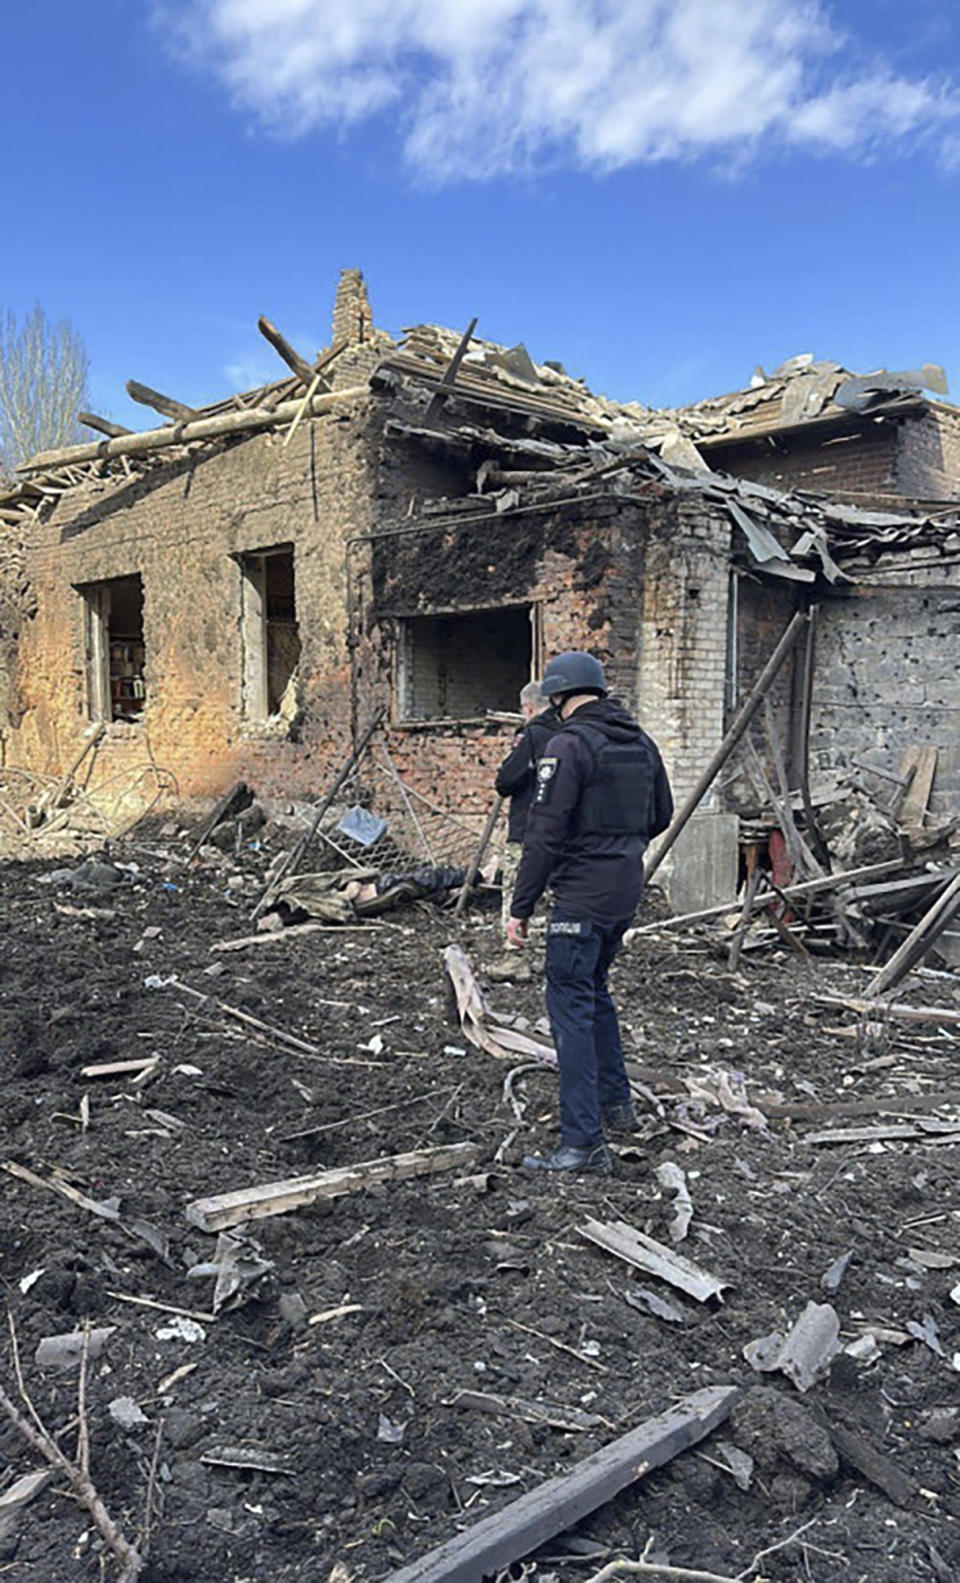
x=452, y=1284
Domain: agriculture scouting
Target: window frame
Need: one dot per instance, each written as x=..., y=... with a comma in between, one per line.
x=403, y=658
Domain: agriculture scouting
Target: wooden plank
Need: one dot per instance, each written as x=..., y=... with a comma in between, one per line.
x=861, y=1455
x=272, y=936
x=918, y=942
x=92, y=420
x=232, y=802
x=279, y=1198
x=753, y=884
x=884, y=1134
x=877, y=1105
x=555, y=1417
x=477, y=858
x=104, y=1211
x=553, y=1507
x=92, y=739
x=898, y=895
x=923, y=762
x=449, y=376
x=810, y=887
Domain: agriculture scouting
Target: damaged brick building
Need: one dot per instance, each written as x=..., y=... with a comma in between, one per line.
x=414, y=527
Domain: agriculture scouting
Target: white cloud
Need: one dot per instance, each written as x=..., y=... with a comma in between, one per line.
x=479, y=88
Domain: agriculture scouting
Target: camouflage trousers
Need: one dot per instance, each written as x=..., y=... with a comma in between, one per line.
x=509, y=864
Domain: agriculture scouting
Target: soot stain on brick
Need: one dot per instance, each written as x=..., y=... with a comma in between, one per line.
x=478, y=563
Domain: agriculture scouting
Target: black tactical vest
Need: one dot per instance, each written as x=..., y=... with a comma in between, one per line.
x=618, y=797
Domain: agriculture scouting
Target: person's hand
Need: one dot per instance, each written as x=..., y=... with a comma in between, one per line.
x=517, y=932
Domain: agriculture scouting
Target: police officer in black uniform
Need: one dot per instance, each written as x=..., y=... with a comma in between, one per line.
x=602, y=794
x=517, y=779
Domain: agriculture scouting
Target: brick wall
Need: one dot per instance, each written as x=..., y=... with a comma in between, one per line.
x=682, y=640
x=14, y=607
x=886, y=674
x=181, y=528
x=352, y=318
x=928, y=455
x=864, y=461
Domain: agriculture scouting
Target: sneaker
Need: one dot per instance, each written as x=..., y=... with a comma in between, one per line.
x=621, y=1118
x=595, y=1160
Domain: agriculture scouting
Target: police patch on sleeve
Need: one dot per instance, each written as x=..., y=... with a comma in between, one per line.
x=546, y=769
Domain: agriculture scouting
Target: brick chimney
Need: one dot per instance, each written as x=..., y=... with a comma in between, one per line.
x=352, y=319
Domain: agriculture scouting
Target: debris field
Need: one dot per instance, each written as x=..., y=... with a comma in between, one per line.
x=351, y=1375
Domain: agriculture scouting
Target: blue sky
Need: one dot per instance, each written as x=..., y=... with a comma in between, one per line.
x=659, y=194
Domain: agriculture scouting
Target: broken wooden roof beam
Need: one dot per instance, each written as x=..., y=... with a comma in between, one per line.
x=92, y=420
x=217, y=427
x=295, y=1192
x=449, y=376
x=304, y=371
x=552, y=1508
x=176, y=411
x=812, y=887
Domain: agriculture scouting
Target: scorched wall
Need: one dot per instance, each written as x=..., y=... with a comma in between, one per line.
x=642, y=585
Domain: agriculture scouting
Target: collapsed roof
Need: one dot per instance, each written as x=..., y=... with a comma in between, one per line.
x=492, y=405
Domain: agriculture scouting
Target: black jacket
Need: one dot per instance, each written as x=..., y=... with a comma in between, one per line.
x=516, y=777
x=592, y=875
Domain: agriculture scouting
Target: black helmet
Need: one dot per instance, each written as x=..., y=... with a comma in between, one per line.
x=575, y=672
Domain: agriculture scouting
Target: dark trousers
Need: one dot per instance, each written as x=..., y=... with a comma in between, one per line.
x=584, y=1023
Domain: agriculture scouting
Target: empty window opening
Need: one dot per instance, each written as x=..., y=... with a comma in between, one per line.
x=115, y=652
x=271, y=635
x=460, y=665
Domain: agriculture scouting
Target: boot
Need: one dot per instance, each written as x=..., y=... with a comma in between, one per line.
x=512, y=968
x=621, y=1118
x=595, y=1160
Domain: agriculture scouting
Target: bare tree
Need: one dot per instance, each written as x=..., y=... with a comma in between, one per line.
x=43, y=385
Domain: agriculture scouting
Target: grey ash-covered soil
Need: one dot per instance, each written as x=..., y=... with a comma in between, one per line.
x=447, y=1273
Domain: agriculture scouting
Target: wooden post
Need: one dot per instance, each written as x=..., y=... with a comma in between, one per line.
x=746, y=713
x=471, y=875
x=551, y=1508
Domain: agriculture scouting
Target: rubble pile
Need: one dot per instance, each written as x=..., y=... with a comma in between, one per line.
x=266, y=1204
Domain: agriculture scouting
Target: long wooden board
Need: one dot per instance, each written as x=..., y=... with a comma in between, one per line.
x=553, y=1507
x=809, y=887
x=279, y=1198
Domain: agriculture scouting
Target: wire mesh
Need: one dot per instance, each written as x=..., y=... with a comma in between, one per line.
x=404, y=828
